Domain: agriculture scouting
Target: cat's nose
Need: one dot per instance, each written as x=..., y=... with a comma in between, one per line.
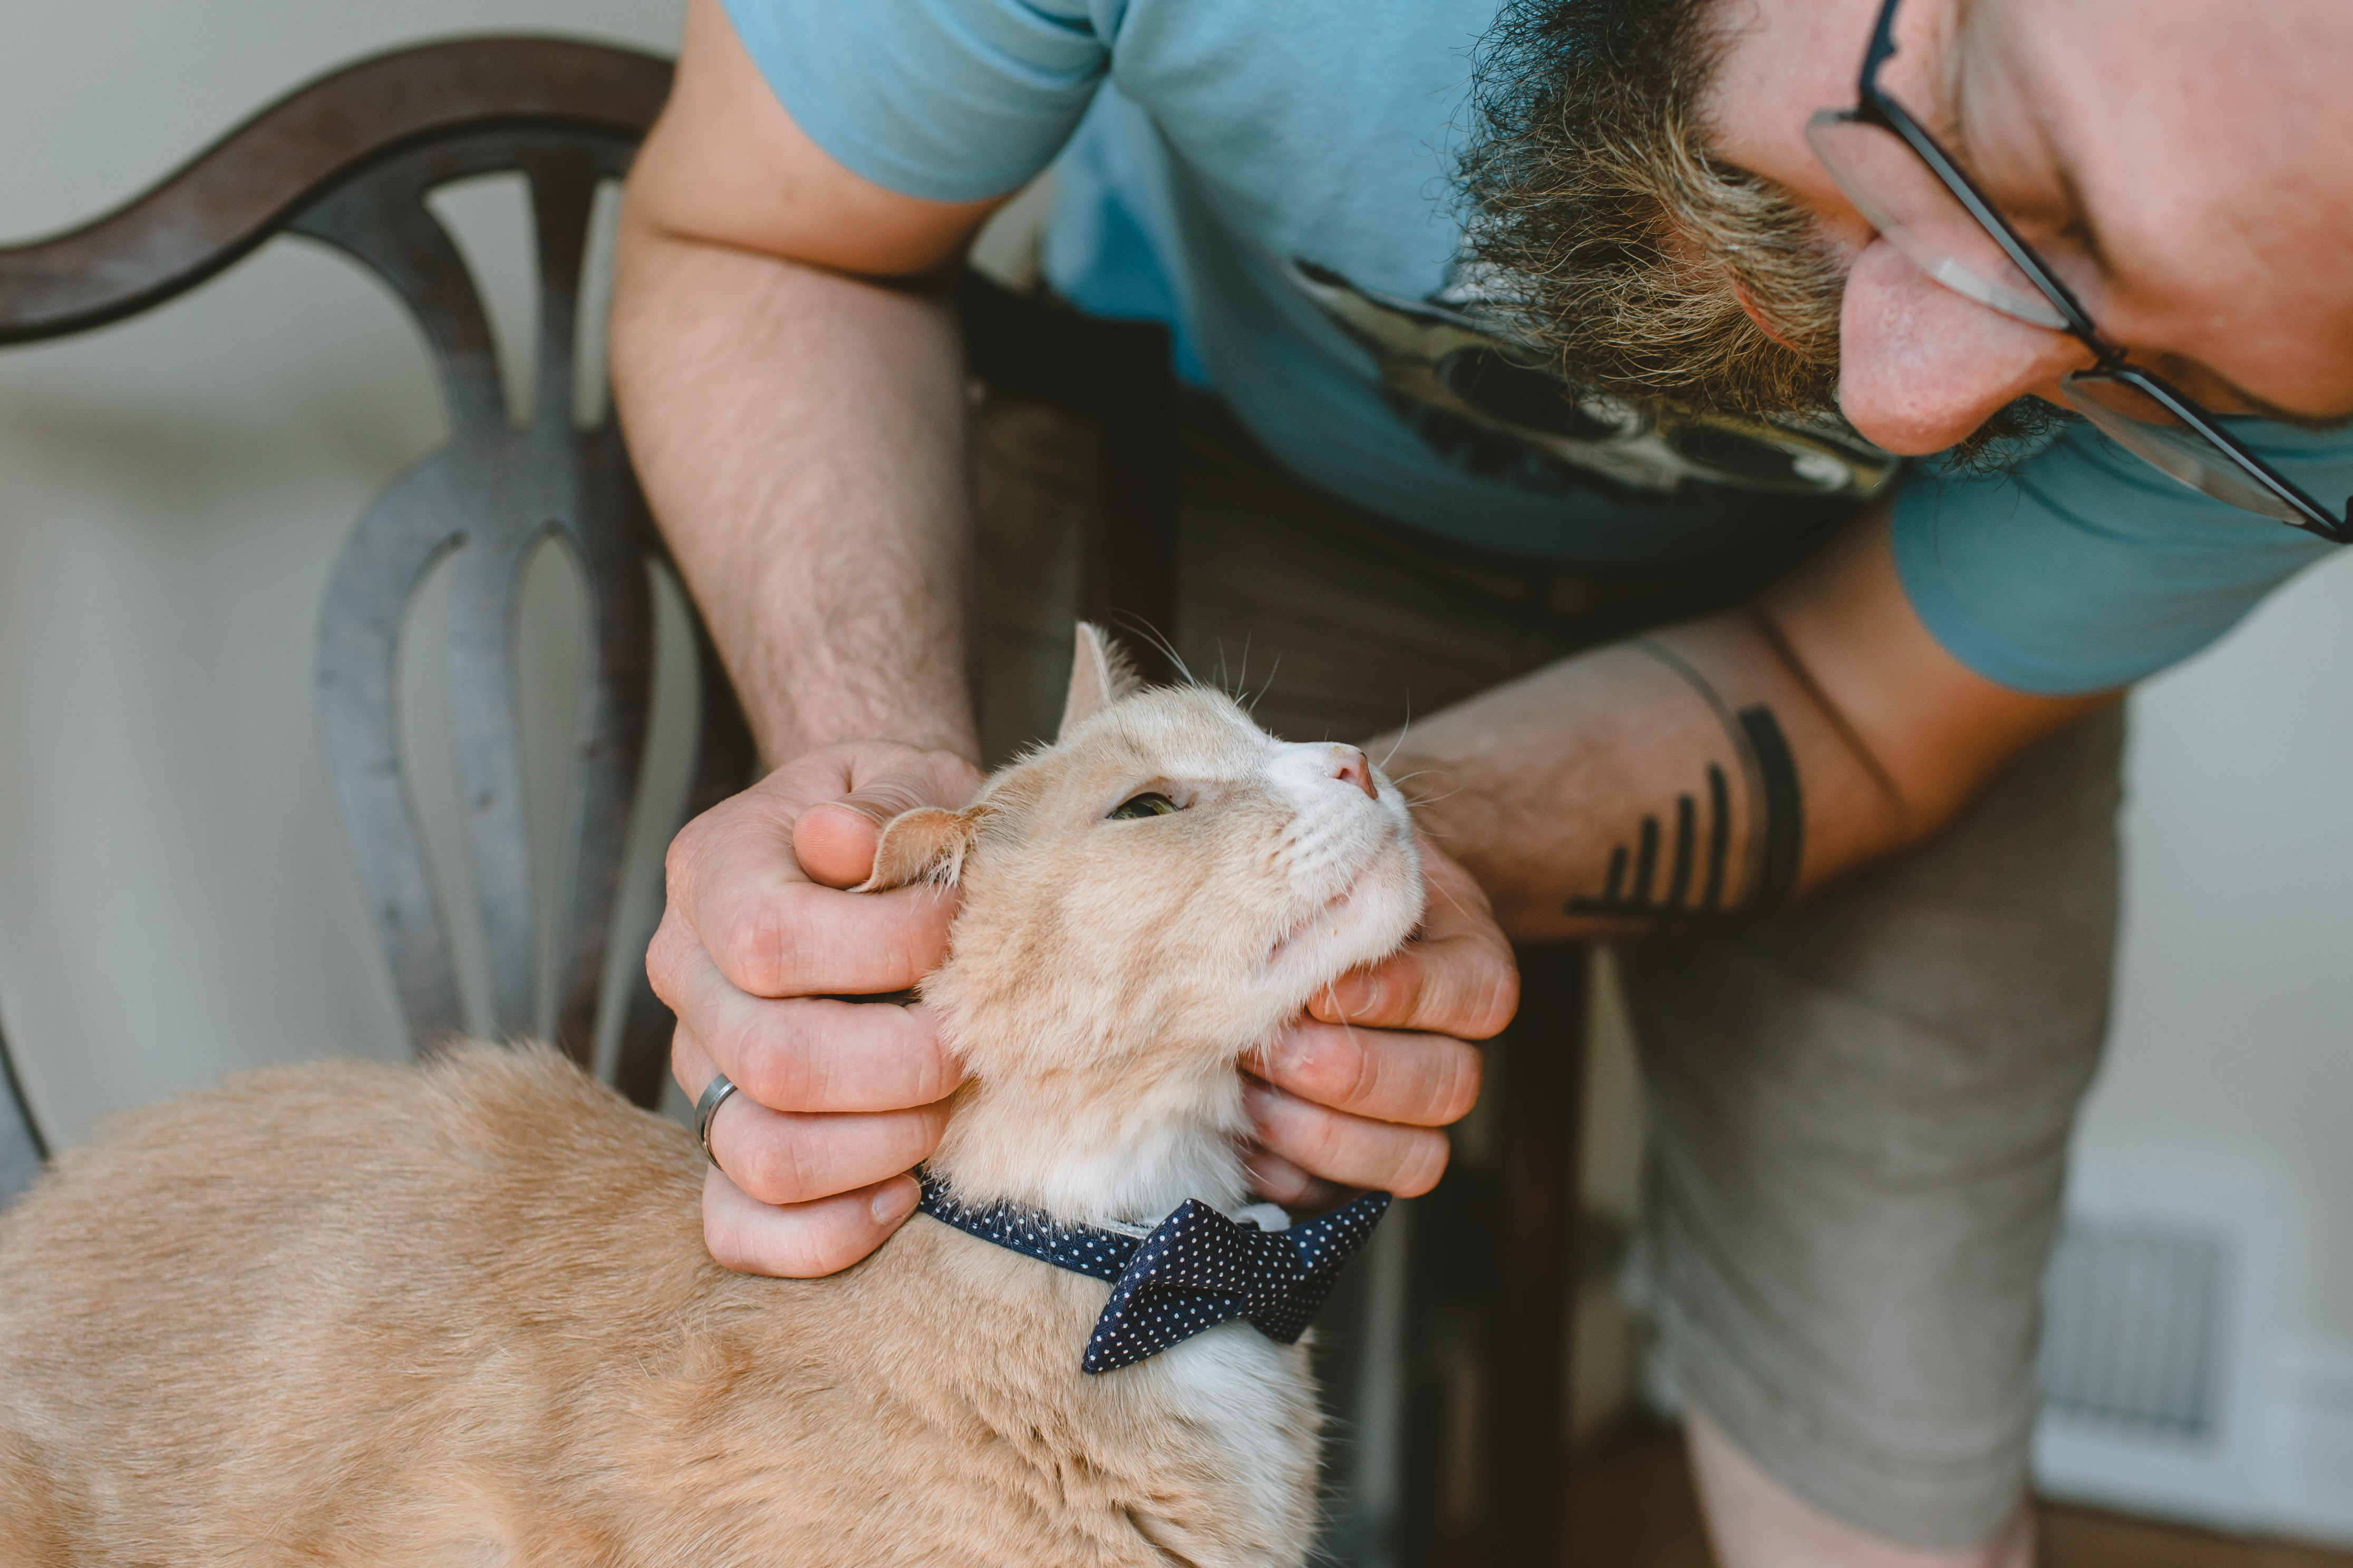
x=1349, y=763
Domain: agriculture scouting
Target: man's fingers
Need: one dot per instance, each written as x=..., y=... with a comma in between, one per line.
x=792, y=938
x=802, y=1053
x=1458, y=977
x=737, y=887
x=1461, y=987
x=787, y=937
x=1348, y=1151
x=1277, y=1180
x=804, y=1241
x=1422, y=1081
x=778, y=1157
x=785, y=1157
x=1274, y=1178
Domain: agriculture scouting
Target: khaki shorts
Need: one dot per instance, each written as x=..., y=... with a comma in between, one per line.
x=1861, y=1108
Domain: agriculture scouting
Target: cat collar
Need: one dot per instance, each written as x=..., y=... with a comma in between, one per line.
x=1192, y=1271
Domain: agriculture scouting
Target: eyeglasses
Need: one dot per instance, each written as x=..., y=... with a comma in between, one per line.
x=1919, y=200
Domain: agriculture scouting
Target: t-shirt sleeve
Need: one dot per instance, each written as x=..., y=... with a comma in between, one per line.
x=2085, y=569
x=947, y=100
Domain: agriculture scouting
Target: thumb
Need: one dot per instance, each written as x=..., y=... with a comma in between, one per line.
x=835, y=843
x=834, y=840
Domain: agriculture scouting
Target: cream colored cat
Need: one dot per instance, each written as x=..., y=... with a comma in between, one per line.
x=351, y=1315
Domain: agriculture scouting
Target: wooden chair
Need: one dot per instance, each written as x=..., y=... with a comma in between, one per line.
x=348, y=163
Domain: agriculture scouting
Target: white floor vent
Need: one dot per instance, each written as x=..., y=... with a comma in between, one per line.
x=2155, y=1311
x=2168, y=1391
x=2133, y=1317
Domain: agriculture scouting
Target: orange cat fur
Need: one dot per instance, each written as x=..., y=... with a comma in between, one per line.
x=358, y=1315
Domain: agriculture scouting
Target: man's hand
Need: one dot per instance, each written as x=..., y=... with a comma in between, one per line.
x=1353, y=1097
x=838, y=1099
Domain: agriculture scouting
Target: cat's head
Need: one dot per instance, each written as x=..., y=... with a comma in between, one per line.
x=1164, y=887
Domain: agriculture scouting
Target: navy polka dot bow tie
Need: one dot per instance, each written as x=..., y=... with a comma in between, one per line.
x=1193, y=1270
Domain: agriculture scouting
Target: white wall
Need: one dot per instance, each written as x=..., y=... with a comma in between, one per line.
x=2233, y=1049
x=174, y=899
x=2231, y=1060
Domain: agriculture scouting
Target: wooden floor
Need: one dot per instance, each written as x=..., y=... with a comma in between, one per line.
x=1630, y=1506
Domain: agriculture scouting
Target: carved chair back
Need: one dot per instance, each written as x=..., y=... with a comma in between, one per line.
x=349, y=161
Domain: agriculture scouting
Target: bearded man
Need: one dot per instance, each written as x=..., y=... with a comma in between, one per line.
x=1516, y=340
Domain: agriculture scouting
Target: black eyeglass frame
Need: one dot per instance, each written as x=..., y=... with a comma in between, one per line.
x=1874, y=107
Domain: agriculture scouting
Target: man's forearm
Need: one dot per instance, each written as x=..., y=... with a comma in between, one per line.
x=1682, y=777
x=1720, y=766
x=800, y=437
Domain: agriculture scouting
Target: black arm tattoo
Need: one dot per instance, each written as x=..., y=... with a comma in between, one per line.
x=1770, y=775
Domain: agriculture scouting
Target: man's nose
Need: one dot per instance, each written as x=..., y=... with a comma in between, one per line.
x=1920, y=366
x=1348, y=763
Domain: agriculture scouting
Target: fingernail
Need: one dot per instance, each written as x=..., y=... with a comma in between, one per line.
x=895, y=1201
x=1258, y=1100
x=1353, y=995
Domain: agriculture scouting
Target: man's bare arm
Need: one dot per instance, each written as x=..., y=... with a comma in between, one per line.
x=792, y=388
x=1729, y=764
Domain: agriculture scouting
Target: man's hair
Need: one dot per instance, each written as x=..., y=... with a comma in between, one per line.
x=1607, y=237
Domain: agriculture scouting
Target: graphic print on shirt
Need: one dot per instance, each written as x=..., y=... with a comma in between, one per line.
x=1491, y=406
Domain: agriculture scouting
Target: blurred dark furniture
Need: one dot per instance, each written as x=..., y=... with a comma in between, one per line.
x=348, y=161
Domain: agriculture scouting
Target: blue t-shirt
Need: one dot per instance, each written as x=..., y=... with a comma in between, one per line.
x=1273, y=181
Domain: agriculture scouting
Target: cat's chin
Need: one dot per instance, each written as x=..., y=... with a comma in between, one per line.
x=1363, y=924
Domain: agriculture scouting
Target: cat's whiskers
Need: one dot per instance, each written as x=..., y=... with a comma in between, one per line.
x=1269, y=686
x=1458, y=905
x=1152, y=634
x=1238, y=688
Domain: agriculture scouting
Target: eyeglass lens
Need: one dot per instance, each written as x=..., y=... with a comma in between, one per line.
x=1902, y=198
x=2151, y=432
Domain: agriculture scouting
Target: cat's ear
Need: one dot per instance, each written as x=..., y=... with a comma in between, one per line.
x=928, y=842
x=1100, y=676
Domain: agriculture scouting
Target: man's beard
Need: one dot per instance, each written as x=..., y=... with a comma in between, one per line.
x=1606, y=236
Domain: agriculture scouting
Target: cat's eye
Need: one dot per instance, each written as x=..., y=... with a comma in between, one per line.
x=1147, y=805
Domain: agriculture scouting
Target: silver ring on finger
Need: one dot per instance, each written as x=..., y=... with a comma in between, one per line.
x=714, y=1095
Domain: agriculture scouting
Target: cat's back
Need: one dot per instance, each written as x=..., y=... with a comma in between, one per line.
x=304, y=1244
x=467, y=1166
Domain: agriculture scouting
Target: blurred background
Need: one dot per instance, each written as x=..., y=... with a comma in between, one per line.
x=176, y=903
